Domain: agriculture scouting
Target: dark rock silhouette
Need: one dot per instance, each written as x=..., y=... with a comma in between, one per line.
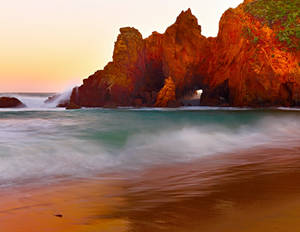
x=10, y=102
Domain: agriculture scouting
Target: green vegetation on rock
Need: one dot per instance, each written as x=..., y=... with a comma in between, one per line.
x=286, y=13
x=247, y=32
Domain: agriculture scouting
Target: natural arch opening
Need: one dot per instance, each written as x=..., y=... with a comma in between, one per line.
x=192, y=98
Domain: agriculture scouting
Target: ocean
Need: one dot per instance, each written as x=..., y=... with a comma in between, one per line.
x=195, y=150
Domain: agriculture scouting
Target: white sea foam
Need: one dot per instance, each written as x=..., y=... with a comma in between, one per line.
x=189, y=143
x=31, y=101
x=36, y=102
x=62, y=97
x=40, y=148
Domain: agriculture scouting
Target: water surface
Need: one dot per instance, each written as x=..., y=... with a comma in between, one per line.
x=148, y=169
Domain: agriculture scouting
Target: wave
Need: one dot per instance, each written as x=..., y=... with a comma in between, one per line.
x=59, y=98
x=189, y=143
x=37, y=101
x=29, y=99
x=41, y=148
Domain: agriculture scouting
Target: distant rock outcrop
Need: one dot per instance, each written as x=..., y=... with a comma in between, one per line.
x=10, y=102
x=249, y=63
x=58, y=101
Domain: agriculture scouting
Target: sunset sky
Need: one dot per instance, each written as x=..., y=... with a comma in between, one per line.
x=50, y=46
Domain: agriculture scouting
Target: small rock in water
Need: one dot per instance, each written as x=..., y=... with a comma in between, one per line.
x=58, y=215
x=10, y=102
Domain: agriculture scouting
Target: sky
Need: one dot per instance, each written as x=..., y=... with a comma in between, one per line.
x=50, y=46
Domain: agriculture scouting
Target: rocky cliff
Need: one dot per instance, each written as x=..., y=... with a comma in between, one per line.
x=254, y=61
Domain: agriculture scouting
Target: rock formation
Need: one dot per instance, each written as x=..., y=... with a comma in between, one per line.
x=249, y=63
x=59, y=102
x=121, y=80
x=167, y=95
x=72, y=106
x=10, y=102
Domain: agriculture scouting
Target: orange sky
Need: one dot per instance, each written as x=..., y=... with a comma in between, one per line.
x=49, y=46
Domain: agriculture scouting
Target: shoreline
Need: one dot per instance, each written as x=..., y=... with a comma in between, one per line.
x=180, y=197
x=183, y=108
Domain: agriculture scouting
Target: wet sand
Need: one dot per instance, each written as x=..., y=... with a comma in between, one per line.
x=255, y=190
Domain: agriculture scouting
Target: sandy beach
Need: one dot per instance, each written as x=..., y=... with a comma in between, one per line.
x=187, y=197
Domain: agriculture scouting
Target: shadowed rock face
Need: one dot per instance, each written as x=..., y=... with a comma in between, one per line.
x=10, y=102
x=245, y=65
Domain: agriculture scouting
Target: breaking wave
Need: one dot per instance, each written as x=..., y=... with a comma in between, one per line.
x=38, y=146
x=37, y=101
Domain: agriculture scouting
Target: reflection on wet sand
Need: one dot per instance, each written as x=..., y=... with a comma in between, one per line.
x=254, y=190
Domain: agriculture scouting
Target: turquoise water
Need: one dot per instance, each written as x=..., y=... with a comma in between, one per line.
x=44, y=143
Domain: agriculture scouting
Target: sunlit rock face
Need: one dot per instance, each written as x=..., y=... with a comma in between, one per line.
x=245, y=65
x=251, y=65
x=186, y=53
x=167, y=95
x=121, y=79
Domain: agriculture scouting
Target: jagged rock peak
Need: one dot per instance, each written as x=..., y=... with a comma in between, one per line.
x=129, y=41
x=188, y=12
x=187, y=18
x=130, y=31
